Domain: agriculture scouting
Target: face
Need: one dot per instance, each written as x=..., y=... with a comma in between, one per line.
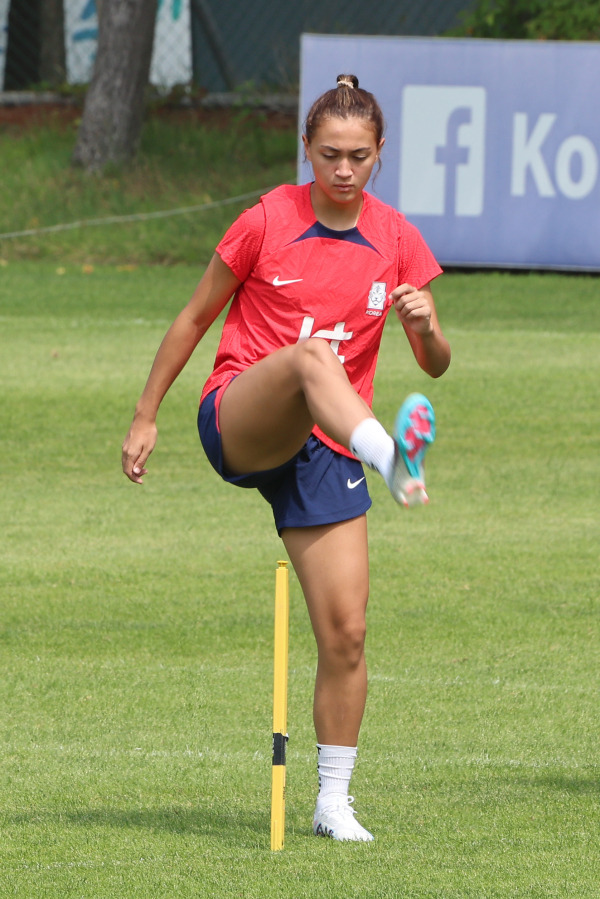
x=342, y=153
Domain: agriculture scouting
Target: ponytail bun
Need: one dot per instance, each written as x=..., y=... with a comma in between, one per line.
x=350, y=81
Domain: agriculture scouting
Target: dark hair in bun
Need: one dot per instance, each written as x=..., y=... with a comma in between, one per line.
x=345, y=101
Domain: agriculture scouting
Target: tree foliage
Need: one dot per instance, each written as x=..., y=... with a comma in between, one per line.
x=575, y=20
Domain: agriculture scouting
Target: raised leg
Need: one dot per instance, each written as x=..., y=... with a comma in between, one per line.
x=268, y=411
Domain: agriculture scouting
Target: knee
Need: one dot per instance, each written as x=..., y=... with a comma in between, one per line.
x=315, y=353
x=345, y=645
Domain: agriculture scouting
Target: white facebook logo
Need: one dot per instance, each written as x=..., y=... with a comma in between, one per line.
x=442, y=150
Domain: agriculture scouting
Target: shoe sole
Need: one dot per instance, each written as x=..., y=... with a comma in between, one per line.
x=414, y=432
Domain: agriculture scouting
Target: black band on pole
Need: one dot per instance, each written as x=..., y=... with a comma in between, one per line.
x=279, y=741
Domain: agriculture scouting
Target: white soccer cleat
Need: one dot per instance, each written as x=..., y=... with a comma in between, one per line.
x=413, y=434
x=335, y=819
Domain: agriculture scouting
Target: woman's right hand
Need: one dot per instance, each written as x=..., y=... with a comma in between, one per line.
x=137, y=446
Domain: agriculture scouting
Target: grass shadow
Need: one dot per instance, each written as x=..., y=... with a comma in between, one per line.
x=586, y=785
x=234, y=826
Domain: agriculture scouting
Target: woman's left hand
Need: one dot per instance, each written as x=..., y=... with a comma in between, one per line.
x=414, y=308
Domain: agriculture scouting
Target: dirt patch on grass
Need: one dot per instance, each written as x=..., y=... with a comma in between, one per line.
x=63, y=115
x=32, y=115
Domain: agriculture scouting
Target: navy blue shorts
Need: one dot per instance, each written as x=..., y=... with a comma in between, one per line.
x=317, y=486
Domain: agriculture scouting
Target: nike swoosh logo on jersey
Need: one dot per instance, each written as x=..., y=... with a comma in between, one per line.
x=279, y=283
x=352, y=484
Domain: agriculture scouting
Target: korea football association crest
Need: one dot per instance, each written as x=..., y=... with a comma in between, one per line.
x=376, y=300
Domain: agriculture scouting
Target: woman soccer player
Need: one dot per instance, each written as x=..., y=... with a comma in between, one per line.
x=313, y=271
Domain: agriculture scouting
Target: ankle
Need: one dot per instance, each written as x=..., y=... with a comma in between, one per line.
x=325, y=800
x=335, y=766
x=372, y=444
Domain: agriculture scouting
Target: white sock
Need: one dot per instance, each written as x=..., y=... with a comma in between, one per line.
x=335, y=766
x=371, y=443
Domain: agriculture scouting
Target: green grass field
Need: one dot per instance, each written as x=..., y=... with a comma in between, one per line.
x=136, y=629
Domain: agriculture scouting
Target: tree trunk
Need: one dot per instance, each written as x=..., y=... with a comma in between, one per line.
x=114, y=105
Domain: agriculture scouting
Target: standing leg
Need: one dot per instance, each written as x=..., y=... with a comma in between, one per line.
x=331, y=562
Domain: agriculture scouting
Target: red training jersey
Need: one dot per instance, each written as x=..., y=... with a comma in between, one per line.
x=301, y=279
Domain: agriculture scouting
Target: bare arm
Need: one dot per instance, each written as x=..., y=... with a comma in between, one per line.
x=210, y=297
x=416, y=310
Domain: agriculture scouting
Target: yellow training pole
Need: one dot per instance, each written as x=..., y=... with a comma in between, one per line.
x=280, y=680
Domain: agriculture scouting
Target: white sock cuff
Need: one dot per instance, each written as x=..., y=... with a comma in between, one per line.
x=367, y=430
x=326, y=750
x=371, y=443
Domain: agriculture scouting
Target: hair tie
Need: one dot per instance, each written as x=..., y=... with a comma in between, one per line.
x=345, y=83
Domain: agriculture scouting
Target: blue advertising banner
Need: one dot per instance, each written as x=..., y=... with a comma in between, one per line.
x=492, y=147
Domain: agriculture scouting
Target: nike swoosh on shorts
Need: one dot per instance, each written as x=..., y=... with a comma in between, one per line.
x=352, y=484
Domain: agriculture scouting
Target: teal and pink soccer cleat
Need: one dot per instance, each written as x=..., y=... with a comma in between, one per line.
x=413, y=433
